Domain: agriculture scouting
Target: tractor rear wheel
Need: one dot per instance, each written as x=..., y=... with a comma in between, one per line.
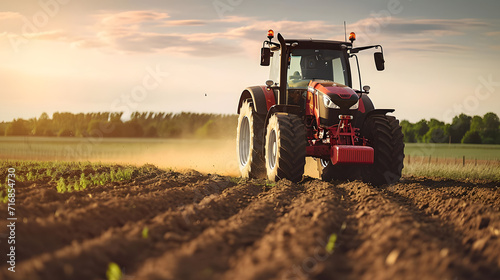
x=385, y=136
x=249, y=146
x=285, y=151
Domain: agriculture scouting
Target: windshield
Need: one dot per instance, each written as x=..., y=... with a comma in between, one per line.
x=308, y=64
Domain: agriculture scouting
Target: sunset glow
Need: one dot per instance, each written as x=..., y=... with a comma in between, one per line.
x=86, y=56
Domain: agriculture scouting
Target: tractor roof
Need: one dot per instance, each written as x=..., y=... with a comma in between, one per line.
x=318, y=44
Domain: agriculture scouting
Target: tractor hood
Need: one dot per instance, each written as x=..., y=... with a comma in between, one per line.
x=340, y=95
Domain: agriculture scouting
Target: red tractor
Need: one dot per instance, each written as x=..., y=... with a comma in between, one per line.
x=309, y=108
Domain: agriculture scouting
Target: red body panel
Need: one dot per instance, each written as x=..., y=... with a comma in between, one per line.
x=317, y=150
x=352, y=154
x=332, y=87
x=270, y=100
x=361, y=107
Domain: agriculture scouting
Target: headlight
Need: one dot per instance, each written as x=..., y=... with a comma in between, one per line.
x=355, y=106
x=329, y=103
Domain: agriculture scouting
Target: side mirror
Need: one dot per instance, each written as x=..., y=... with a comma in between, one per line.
x=265, y=56
x=379, y=61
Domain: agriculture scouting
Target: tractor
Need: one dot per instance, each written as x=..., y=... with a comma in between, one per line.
x=308, y=108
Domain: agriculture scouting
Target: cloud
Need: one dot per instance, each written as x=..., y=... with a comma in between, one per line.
x=417, y=35
x=148, y=31
x=400, y=26
x=52, y=35
x=493, y=34
x=187, y=22
x=495, y=47
x=427, y=45
x=10, y=15
x=131, y=17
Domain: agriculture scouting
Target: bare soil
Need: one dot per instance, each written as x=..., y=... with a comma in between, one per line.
x=188, y=225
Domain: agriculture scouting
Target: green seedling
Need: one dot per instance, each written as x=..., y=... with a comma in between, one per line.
x=61, y=186
x=84, y=182
x=114, y=272
x=145, y=233
x=330, y=246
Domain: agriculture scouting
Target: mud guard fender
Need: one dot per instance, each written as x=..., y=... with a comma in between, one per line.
x=263, y=98
x=367, y=110
x=379, y=112
x=361, y=119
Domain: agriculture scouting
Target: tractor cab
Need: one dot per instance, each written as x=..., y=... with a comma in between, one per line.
x=295, y=63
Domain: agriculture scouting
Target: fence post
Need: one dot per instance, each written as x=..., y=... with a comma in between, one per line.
x=463, y=161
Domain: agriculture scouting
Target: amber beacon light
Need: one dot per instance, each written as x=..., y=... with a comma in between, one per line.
x=270, y=34
x=352, y=37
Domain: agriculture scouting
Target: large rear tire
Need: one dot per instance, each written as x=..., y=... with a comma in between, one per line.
x=249, y=146
x=386, y=137
x=285, y=151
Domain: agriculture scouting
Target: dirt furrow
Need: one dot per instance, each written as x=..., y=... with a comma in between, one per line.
x=91, y=221
x=210, y=251
x=44, y=201
x=475, y=225
x=294, y=247
x=486, y=193
x=395, y=238
x=129, y=246
x=188, y=225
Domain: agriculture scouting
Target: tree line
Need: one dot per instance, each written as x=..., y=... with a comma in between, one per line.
x=462, y=129
x=140, y=124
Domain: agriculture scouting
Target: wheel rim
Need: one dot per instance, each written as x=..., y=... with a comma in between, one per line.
x=271, y=153
x=244, y=142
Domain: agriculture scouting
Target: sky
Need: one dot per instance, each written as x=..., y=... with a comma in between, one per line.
x=198, y=56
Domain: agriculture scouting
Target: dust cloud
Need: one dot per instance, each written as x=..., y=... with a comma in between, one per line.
x=207, y=156
x=203, y=155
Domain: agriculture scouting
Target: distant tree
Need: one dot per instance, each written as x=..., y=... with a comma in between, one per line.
x=116, y=128
x=435, y=123
x=151, y=132
x=65, y=132
x=408, y=131
x=17, y=127
x=94, y=129
x=421, y=128
x=42, y=126
x=476, y=124
x=459, y=126
x=436, y=135
x=171, y=129
x=132, y=128
x=491, y=133
x=3, y=126
x=471, y=137
x=207, y=130
x=491, y=121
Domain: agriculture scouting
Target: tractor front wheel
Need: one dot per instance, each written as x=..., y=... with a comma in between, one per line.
x=249, y=146
x=385, y=136
x=285, y=152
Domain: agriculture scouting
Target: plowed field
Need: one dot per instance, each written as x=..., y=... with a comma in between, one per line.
x=188, y=225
